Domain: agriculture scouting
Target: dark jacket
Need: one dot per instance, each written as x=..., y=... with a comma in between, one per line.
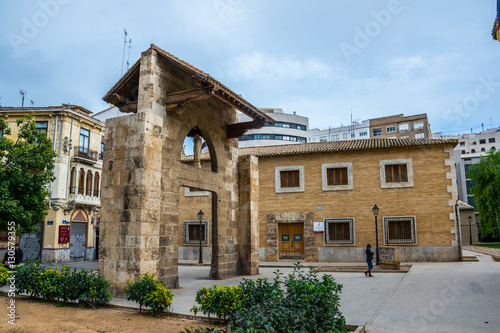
x=18, y=256
x=369, y=254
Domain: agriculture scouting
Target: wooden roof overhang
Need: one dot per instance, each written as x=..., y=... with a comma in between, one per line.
x=124, y=94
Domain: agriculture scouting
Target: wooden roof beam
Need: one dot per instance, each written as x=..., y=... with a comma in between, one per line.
x=238, y=129
x=189, y=95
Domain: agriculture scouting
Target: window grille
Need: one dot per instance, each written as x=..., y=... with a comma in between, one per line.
x=399, y=230
x=339, y=231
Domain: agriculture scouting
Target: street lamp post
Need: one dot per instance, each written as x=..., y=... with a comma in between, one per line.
x=200, y=217
x=375, y=210
x=470, y=230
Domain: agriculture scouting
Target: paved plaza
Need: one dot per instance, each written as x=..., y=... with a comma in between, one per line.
x=431, y=297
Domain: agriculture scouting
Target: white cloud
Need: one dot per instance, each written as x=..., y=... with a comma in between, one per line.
x=404, y=67
x=258, y=66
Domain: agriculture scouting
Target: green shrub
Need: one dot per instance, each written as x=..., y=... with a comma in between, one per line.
x=4, y=275
x=28, y=279
x=218, y=300
x=151, y=293
x=213, y=330
x=299, y=302
x=62, y=284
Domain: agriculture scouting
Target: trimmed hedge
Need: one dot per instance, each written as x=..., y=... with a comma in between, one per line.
x=62, y=284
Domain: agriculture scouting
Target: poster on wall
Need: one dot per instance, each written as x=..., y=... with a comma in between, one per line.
x=63, y=234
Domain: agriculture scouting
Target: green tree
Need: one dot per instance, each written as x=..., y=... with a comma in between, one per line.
x=486, y=176
x=26, y=168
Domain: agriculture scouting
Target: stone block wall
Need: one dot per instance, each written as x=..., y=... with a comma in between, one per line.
x=248, y=223
x=143, y=176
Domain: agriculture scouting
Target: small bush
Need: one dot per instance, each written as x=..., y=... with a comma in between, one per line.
x=151, y=293
x=4, y=275
x=213, y=330
x=299, y=302
x=218, y=300
x=62, y=284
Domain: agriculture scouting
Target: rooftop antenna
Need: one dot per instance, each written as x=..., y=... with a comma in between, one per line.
x=129, y=47
x=124, y=47
x=32, y=102
x=22, y=93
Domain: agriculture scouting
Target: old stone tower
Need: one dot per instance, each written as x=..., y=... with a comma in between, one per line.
x=169, y=99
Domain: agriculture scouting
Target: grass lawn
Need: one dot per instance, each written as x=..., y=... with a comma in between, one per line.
x=495, y=246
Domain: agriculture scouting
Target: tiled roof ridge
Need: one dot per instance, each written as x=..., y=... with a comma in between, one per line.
x=331, y=146
x=343, y=145
x=212, y=80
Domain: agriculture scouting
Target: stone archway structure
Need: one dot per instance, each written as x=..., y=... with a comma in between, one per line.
x=169, y=99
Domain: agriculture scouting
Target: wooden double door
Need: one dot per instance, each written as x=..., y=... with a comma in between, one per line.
x=291, y=240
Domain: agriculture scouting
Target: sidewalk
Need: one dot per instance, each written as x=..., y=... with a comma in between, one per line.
x=430, y=297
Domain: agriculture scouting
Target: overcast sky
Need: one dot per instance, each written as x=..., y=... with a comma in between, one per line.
x=319, y=58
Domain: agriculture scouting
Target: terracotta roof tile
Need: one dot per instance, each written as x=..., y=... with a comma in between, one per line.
x=333, y=146
x=345, y=145
x=244, y=104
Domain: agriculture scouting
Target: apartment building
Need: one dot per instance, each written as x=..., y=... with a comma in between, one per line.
x=68, y=232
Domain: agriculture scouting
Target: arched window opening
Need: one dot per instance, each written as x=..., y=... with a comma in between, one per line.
x=198, y=151
x=89, y=183
x=81, y=182
x=97, y=188
x=72, y=180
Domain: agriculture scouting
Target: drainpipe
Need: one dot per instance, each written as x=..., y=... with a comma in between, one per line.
x=54, y=148
x=69, y=158
x=458, y=233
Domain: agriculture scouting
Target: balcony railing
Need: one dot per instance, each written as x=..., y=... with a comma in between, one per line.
x=86, y=153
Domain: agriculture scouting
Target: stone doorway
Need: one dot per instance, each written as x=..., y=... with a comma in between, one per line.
x=291, y=240
x=277, y=220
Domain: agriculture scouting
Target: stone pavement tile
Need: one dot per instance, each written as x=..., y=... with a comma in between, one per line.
x=495, y=253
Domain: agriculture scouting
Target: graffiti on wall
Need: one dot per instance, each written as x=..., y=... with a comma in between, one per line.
x=31, y=246
x=77, y=247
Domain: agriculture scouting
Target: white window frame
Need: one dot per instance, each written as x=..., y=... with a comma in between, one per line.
x=189, y=193
x=197, y=223
x=277, y=177
x=404, y=127
x=352, y=241
x=409, y=171
x=413, y=219
x=420, y=136
x=324, y=177
x=390, y=127
x=417, y=126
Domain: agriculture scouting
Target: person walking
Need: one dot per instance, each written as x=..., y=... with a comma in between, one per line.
x=369, y=260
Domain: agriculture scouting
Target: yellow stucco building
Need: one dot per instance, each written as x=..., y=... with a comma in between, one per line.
x=68, y=232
